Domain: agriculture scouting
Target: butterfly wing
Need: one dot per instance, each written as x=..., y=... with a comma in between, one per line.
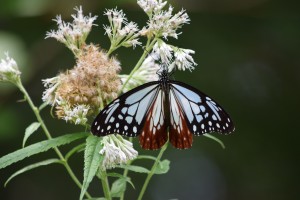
x=126, y=115
x=196, y=112
x=154, y=134
x=179, y=133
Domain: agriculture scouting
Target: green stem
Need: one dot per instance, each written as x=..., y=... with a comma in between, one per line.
x=111, y=49
x=152, y=171
x=105, y=185
x=125, y=173
x=148, y=48
x=48, y=135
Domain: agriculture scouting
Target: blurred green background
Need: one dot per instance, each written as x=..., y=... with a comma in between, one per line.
x=248, y=60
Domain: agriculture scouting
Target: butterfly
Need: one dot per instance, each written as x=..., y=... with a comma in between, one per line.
x=160, y=110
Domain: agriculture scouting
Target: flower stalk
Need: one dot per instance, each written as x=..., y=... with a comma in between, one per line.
x=148, y=48
x=162, y=150
x=48, y=135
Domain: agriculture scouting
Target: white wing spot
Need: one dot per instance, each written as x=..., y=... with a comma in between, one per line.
x=226, y=125
x=194, y=128
x=202, y=108
x=125, y=128
x=214, y=117
x=128, y=119
x=117, y=125
x=218, y=125
x=199, y=118
x=98, y=128
x=95, y=123
x=209, y=123
x=124, y=110
x=108, y=127
x=202, y=126
x=112, y=119
x=120, y=117
x=134, y=129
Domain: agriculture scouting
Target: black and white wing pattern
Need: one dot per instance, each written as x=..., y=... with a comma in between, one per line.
x=126, y=115
x=193, y=112
x=137, y=112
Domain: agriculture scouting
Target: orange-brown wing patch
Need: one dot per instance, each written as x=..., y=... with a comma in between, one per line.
x=154, y=133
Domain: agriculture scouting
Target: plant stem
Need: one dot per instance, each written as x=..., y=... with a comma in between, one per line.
x=148, y=48
x=126, y=173
x=48, y=135
x=105, y=185
x=152, y=171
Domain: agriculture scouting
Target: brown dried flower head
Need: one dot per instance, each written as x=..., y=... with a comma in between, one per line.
x=92, y=81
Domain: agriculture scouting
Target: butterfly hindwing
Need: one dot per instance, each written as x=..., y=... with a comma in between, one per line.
x=202, y=114
x=154, y=133
x=126, y=115
x=179, y=133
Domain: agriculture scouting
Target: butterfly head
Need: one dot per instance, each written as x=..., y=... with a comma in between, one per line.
x=163, y=73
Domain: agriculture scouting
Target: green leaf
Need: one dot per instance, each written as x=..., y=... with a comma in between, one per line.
x=38, y=148
x=92, y=160
x=134, y=168
x=29, y=130
x=43, y=105
x=117, y=175
x=32, y=166
x=118, y=187
x=76, y=149
x=215, y=139
x=99, y=198
x=163, y=167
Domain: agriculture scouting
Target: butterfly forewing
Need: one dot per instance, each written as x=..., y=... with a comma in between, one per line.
x=126, y=115
x=202, y=114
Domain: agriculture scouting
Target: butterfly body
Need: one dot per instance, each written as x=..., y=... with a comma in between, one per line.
x=162, y=109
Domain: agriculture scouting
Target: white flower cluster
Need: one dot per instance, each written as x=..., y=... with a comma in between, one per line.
x=51, y=85
x=77, y=115
x=74, y=34
x=116, y=150
x=146, y=73
x=174, y=57
x=120, y=31
x=150, y=6
x=9, y=70
x=162, y=23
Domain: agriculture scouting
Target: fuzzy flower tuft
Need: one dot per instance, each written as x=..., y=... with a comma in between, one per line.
x=163, y=51
x=9, y=71
x=92, y=81
x=150, y=6
x=162, y=23
x=51, y=85
x=146, y=73
x=77, y=114
x=183, y=60
x=116, y=151
x=74, y=34
x=120, y=31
